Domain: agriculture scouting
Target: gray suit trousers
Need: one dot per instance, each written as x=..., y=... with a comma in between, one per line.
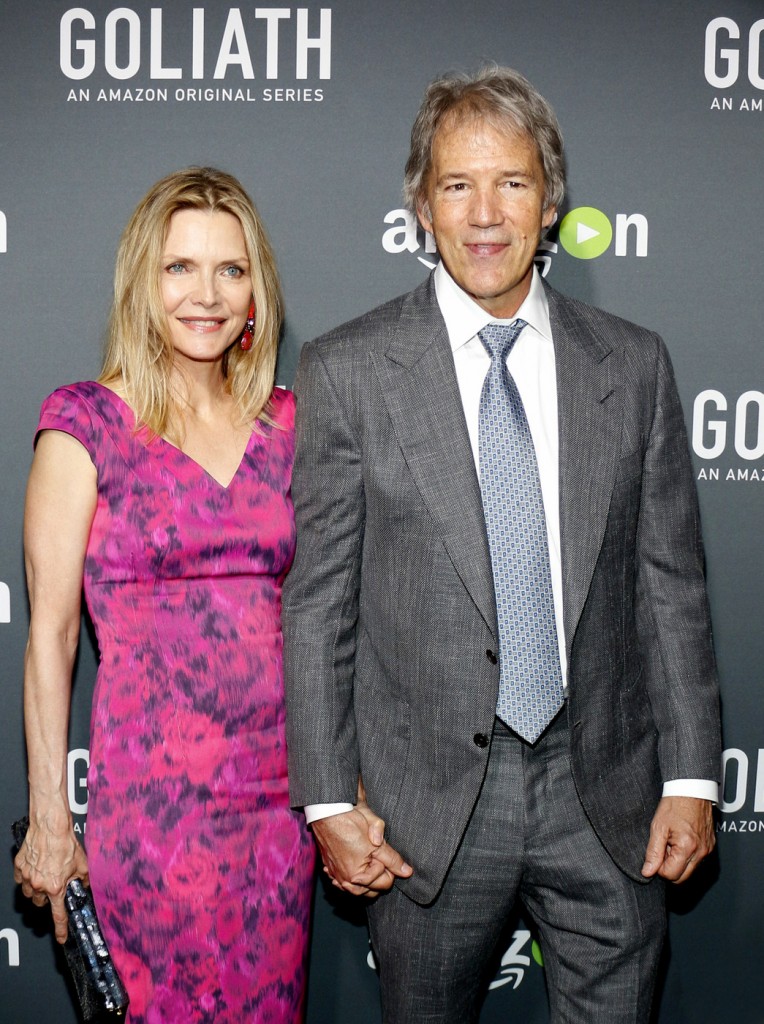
x=600, y=932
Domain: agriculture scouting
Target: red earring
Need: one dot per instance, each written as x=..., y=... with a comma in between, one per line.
x=249, y=329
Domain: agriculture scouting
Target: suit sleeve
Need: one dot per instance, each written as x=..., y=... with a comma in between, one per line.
x=672, y=610
x=321, y=593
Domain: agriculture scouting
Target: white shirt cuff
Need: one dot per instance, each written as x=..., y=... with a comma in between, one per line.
x=700, y=788
x=314, y=812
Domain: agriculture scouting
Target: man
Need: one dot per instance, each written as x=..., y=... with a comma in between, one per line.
x=497, y=636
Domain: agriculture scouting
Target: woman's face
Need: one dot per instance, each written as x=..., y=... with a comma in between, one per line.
x=205, y=284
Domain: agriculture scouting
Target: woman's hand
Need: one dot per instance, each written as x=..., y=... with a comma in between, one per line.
x=49, y=858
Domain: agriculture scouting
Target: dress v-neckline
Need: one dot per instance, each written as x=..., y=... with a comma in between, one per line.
x=173, y=448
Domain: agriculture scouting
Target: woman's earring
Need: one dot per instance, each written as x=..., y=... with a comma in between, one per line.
x=249, y=329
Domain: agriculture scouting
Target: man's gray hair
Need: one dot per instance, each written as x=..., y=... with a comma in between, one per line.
x=508, y=102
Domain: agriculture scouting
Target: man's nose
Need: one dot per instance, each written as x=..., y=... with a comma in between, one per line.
x=485, y=209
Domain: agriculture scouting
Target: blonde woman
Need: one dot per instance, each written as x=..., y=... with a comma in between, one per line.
x=163, y=488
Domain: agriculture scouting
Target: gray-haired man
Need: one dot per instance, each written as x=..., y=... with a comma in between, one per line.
x=496, y=617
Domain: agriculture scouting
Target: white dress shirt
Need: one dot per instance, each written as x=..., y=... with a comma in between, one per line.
x=532, y=365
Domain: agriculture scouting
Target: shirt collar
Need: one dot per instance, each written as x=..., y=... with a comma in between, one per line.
x=464, y=317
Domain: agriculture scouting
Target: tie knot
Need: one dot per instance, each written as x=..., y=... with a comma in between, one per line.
x=498, y=339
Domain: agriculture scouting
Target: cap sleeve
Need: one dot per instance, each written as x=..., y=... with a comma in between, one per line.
x=283, y=407
x=68, y=411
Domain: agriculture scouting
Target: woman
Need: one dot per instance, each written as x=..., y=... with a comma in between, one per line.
x=164, y=487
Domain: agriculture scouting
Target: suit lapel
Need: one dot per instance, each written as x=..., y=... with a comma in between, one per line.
x=590, y=430
x=421, y=392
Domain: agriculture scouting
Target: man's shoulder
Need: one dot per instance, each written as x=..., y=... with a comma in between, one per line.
x=375, y=328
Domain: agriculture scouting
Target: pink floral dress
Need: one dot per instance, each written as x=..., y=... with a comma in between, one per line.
x=200, y=870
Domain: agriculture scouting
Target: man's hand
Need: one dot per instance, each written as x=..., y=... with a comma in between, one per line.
x=681, y=835
x=355, y=854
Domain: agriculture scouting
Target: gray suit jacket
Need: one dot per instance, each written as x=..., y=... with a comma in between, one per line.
x=389, y=611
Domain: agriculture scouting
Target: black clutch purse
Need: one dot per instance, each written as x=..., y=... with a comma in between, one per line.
x=100, y=991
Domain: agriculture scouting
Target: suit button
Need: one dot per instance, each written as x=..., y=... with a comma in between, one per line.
x=491, y=655
x=480, y=740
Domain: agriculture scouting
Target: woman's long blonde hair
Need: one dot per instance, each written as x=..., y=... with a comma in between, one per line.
x=139, y=353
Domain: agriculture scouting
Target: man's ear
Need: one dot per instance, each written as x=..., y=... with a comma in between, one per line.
x=549, y=217
x=423, y=214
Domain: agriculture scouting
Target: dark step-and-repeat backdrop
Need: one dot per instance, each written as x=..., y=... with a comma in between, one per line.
x=310, y=106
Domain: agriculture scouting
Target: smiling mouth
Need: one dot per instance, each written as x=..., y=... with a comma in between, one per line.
x=486, y=248
x=197, y=324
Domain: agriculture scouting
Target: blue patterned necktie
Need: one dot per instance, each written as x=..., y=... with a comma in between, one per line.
x=530, y=686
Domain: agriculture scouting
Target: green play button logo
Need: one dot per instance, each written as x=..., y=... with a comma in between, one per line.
x=585, y=233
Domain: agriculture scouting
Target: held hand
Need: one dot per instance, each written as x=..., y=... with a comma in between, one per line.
x=384, y=853
x=44, y=865
x=681, y=835
x=375, y=824
x=353, y=861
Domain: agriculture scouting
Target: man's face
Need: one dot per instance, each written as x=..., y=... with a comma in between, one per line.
x=484, y=205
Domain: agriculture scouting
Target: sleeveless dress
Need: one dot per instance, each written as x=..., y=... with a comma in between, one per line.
x=200, y=870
